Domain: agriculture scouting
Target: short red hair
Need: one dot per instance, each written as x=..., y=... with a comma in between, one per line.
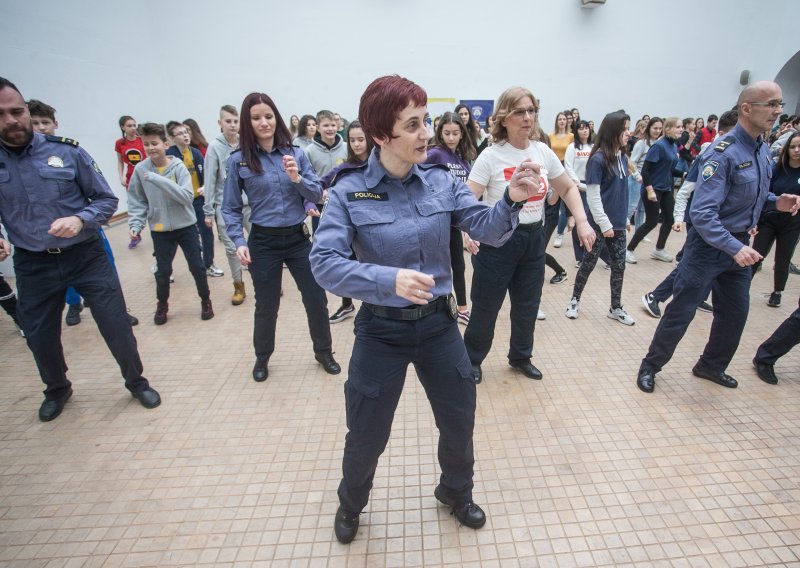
x=383, y=101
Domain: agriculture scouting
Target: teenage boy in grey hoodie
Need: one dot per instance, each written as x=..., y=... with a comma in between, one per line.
x=217, y=154
x=327, y=151
x=161, y=192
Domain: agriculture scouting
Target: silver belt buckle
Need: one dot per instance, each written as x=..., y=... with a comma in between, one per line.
x=54, y=251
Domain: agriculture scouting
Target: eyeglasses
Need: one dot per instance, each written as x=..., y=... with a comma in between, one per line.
x=771, y=104
x=521, y=112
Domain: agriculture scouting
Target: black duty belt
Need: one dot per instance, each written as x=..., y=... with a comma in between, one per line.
x=60, y=250
x=529, y=226
x=411, y=313
x=279, y=231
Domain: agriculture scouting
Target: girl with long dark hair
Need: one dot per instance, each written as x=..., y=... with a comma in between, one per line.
x=607, y=196
x=778, y=227
x=454, y=148
x=306, y=129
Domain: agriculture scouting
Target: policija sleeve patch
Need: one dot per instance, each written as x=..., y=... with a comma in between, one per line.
x=709, y=169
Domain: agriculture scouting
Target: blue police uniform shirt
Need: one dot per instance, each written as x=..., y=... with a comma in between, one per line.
x=395, y=223
x=613, y=188
x=662, y=157
x=275, y=200
x=51, y=178
x=732, y=187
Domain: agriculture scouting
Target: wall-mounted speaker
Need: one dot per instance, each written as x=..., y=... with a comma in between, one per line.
x=744, y=77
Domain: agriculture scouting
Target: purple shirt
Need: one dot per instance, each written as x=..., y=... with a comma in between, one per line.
x=458, y=167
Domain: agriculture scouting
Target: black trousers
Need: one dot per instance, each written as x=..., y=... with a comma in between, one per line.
x=458, y=266
x=42, y=280
x=269, y=253
x=781, y=342
x=206, y=233
x=382, y=351
x=517, y=267
x=165, y=245
x=782, y=229
x=665, y=204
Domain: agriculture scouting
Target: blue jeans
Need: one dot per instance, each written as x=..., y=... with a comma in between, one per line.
x=72, y=297
x=516, y=267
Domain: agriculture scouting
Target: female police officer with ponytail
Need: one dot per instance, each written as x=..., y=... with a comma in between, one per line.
x=395, y=213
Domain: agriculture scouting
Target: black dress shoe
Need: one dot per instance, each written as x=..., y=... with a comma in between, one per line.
x=477, y=374
x=766, y=372
x=148, y=397
x=260, y=372
x=328, y=363
x=646, y=380
x=345, y=526
x=133, y=320
x=718, y=377
x=50, y=409
x=467, y=513
x=527, y=369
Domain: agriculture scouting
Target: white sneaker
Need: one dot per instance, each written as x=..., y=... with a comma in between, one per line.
x=558, y=241
x=572, y=308
x=646, y=240
x=541, y=316
x=630, y=258
x=154, y=269
x=621, y=316
x=660, y=254
x=214, y=271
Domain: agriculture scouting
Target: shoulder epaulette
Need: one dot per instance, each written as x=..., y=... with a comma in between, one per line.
x=347, y=170
x=722, y=146
x=62, y=140
x=431, y=166
x=242, y=164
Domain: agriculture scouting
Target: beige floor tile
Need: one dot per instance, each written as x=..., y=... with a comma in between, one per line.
x=580, y=469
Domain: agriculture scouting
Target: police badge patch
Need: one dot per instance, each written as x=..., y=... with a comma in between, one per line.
x=709, y=169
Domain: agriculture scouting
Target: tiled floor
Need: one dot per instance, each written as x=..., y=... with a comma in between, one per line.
x=579, y=469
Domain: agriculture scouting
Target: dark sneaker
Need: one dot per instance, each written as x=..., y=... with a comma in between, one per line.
x=559, y=278
x=345, y=525
x=705, y=307
x=342, y=314
x=74, y=314
x=774, y=300
x=651, y=305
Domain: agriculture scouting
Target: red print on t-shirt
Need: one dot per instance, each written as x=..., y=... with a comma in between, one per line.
x=508, y=172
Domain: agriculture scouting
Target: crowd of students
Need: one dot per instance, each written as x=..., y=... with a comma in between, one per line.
x=627, y=177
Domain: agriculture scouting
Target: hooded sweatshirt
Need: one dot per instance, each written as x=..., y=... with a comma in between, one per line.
x=216, y=170
x=324, y=158
x=163, y=199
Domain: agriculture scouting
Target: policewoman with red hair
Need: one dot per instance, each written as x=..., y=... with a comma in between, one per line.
x=395, y=213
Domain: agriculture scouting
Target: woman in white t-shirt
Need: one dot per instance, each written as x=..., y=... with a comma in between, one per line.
x=518, y=265
x=575, y=159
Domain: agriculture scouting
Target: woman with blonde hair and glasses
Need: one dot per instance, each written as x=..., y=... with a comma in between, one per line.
x=518, y=265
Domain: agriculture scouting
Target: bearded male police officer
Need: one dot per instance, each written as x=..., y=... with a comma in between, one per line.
x=53, y=199
x=731, y=191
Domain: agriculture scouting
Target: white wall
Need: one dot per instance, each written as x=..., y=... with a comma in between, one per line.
x=95, y=61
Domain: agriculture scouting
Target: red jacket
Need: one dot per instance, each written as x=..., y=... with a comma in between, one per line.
x=706, y=135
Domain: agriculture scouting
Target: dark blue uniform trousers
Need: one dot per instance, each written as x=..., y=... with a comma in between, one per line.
x=42, y=280
x=781, y=342
x=206, y=233
x=382, y=352
x=268, y=254
x=517, y=266
x=702, y=267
